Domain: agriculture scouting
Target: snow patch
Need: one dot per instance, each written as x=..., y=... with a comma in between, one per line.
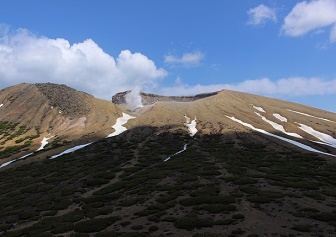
x=184, y=148
x=118, y=126
x=118, y=129
x=44, y=142
x=11, y=161
x=281, y=118
x=325, y=138
x=1, y=105
x=278, y=126
x=259, y=109
x=298, y=144
x=310, y=116
x=71, y=150
x=191, y=125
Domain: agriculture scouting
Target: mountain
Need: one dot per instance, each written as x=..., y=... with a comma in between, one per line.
x=32, y=112
x=220, y=164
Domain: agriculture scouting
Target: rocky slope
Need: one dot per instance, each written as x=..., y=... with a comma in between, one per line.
x=58, y=112
x=148, y=99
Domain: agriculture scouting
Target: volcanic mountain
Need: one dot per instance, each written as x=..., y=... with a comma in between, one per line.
x=60, y=117
x=220, y=164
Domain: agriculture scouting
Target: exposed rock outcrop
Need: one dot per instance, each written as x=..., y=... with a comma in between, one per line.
x=70, y=101
x=148, y=99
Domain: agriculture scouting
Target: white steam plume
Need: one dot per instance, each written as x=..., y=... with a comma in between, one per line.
x=133, y=99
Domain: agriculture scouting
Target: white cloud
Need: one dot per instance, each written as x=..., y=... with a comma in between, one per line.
x=25, y=57
x=187, y=59
x=261, y=14
x=333, y=34
x=309, y=16
x=295, y=86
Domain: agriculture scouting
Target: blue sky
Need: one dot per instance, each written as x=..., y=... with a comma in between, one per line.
x=281, y=49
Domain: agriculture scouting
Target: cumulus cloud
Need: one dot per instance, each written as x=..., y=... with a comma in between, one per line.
x=310, y=16
x=25, y=57
x=187, y=59
x=261, y=14
x=295, y=86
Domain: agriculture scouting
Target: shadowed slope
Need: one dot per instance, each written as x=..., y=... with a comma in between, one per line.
x=221, y=184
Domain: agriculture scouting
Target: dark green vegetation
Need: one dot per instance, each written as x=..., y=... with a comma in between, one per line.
x=10, y=131
x=217, y=187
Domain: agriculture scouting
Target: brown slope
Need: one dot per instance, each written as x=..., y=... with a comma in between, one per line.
x=211, y=115
x=69, y=116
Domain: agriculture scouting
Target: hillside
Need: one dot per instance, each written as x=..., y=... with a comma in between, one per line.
x=225, y=164
x=227, y=111
x=219, y=186
x=31, y=113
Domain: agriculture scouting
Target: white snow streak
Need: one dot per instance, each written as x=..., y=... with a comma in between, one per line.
x=310, y=115
x=1, y=105
x=281, y=118
x=71, y=150
x=303, y=146
x=191, y=126
x=259, y=109
x=44, y=142
x=11, y=161
x=325, y=138
x=118, y=129
x=118, y=126
x=184, y=148
x=278, y=126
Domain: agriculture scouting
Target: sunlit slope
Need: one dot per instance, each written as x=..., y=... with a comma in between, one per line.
x=31, y=112
x=228, y=111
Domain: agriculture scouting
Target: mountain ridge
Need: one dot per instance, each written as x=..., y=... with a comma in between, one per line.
x=65, y=117
x=58, y=111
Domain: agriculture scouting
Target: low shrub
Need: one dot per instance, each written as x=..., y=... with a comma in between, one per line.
x=169, y=218
x=238, y=216
x=302, y=228
x=125, y=223
x=224, y=222
x=153, y=228
x=190, y=222
x=95, y=225
x=207, y=235
x=107, y=234
x=207, y=200
x=217, y=208
x=325, y=216
x=137, y=227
